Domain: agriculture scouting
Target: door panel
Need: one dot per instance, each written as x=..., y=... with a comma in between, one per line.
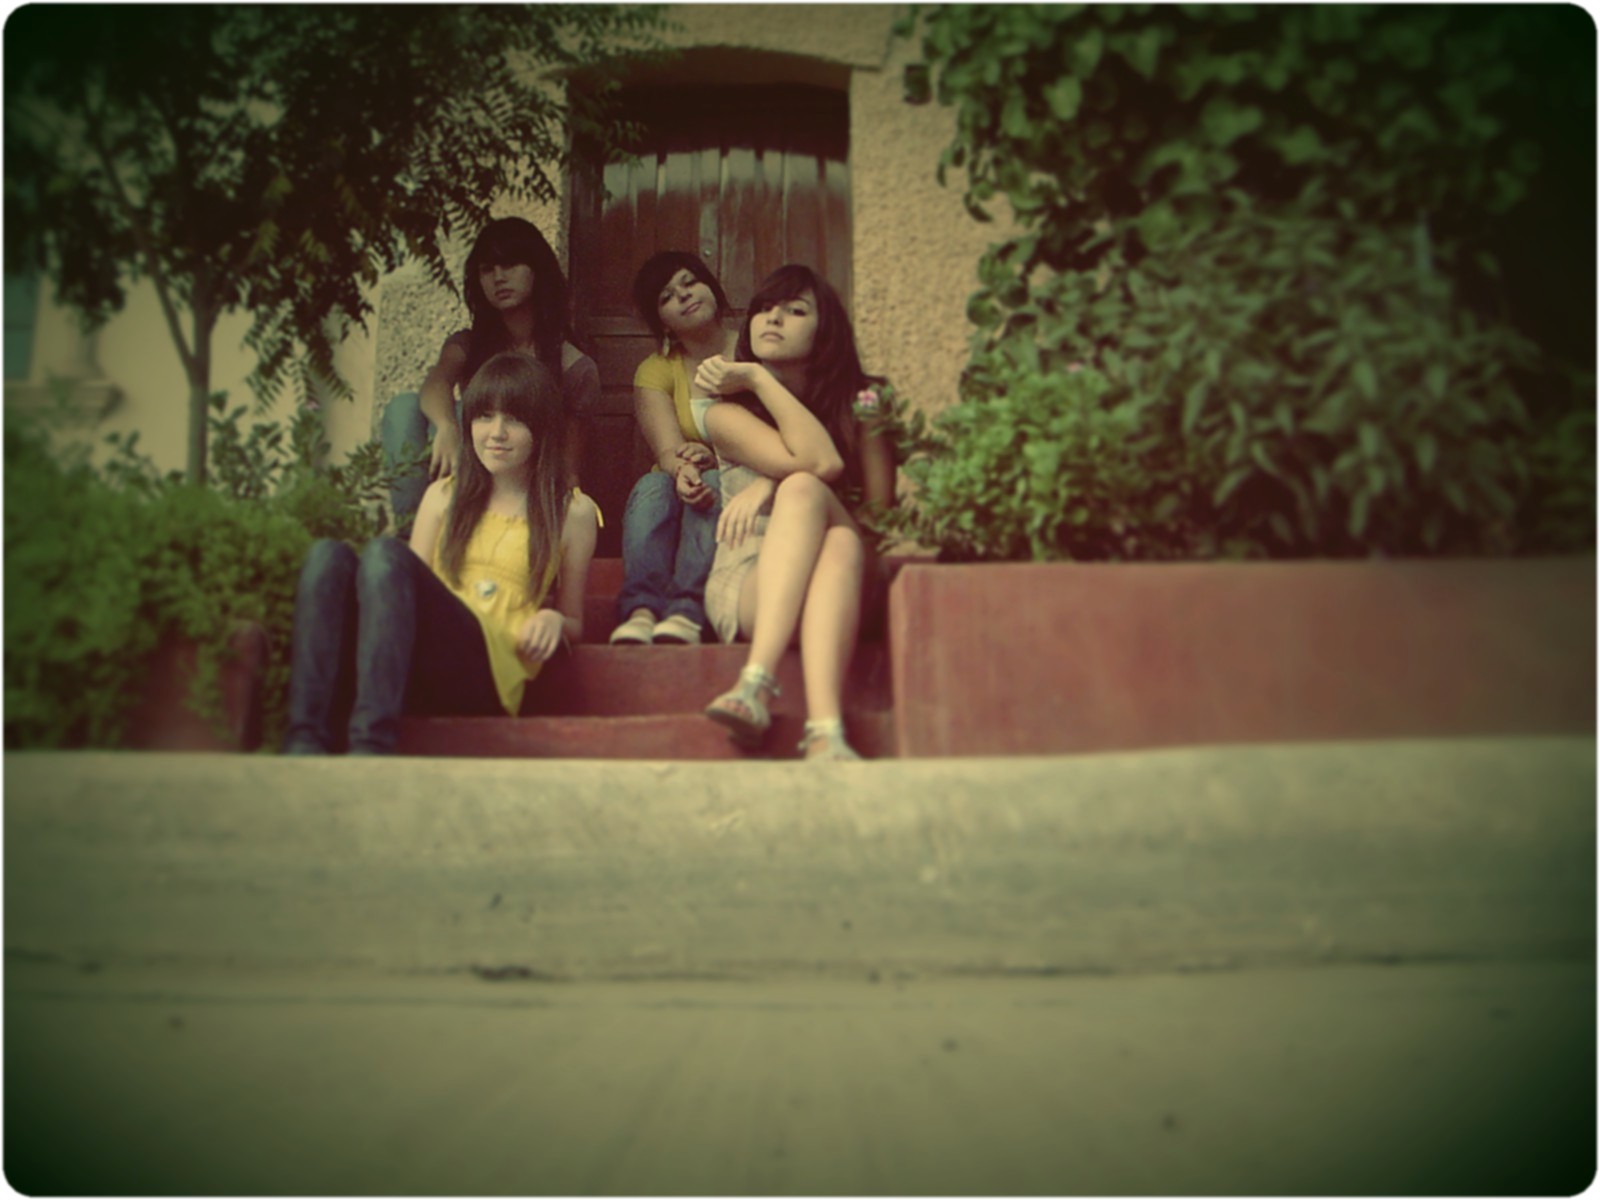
x=749, y=178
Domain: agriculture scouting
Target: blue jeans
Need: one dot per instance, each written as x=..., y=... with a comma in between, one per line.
x=375, y=637
x=405, y=432
x=667, y=548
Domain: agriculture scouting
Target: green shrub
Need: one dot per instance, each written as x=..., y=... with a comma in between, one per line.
x=103, y=563
x=74, y=636
x=1245, y=314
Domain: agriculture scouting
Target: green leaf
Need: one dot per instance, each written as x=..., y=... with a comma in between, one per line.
x=1263, y=460
x=1226, y=121
x=1014, y=117
x=1359, y=508
x=1230, y=484
x=1142, y=50
x=1365, y=378
x=1065, y=96
x=1085, y=55
x=1302, y=146
x=1427, y=452
x=1371, y=439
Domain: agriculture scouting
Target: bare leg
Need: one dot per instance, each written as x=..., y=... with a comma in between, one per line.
x=830, y=620
x=802, y=510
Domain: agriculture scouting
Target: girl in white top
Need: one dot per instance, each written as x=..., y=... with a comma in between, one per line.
x=790, y=555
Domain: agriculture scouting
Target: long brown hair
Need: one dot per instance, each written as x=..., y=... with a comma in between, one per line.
x=516, y=384
x=833, y=371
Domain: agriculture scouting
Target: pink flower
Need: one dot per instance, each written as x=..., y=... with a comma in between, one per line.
x=313, y=406
x=866, y=400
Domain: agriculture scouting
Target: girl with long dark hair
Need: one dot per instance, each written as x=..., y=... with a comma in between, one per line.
x=790, y=554
x=458, y=621
x=516, y=295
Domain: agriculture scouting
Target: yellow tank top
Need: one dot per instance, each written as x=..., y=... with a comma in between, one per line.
x=495, y=586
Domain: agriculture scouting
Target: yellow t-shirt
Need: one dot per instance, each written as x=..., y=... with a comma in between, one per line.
x=494, y=585
x=669, y=374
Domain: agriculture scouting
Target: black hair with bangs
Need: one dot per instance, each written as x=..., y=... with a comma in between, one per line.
x=659, y=270
x=512, y=241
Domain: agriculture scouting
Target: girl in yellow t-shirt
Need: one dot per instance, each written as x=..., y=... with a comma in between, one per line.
x=669, y=527
x=457, y=622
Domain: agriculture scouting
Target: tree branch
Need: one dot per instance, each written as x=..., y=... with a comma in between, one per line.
x=141, y=235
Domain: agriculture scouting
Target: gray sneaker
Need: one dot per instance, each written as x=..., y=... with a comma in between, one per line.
x=677, y=630
x=636, y=630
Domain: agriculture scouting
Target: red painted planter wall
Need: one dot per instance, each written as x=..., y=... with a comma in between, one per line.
x=1061, y=658
x=162, y=718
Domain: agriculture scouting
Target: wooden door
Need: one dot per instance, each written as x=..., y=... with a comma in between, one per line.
x=749, y=178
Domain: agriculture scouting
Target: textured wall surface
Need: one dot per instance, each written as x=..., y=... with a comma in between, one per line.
x=856, y=35
x=916, y=249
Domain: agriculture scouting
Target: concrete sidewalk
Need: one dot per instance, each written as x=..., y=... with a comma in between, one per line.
x=1338, y=968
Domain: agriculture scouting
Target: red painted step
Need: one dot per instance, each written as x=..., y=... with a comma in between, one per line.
x=647, y=702
x=670, y=736
x=618, y=681
x=604, y=584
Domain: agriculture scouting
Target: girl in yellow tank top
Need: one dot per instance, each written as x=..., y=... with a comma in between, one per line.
x=489, y=588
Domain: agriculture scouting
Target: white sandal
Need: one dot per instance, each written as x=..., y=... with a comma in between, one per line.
x=832, y=733
x=741, y=710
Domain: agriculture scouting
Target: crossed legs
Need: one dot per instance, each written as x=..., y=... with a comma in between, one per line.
x=808, y=578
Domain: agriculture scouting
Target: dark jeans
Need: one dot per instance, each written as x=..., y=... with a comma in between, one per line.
x=375, y=637
x=667, y=548
x=405, y=432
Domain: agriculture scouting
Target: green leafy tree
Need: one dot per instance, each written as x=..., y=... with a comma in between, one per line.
x=1256, y=300
x=280, y=159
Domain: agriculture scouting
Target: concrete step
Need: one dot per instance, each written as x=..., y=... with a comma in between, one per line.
x=656, y=736
x=1210, y=858
x=624, y=681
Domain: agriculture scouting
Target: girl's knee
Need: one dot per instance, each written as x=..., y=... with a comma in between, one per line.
x=328, y=554
x=383, y=556
x=653, y=488
x=842, y=547
x=652, y=498
x=802, y=489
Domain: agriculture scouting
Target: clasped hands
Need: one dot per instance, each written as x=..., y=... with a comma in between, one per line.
x=691, y=460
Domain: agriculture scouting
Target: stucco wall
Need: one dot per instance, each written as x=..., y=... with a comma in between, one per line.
x=916, y=249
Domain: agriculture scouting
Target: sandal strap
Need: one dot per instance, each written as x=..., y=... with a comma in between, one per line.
x=753, y=677
x=831, y=730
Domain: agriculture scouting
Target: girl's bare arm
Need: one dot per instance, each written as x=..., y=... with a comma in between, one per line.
x=438, y=402
x=429, y=521
x=799, y=443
